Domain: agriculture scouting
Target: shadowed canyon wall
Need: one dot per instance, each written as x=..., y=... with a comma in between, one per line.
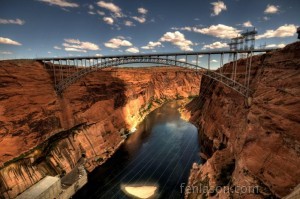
x=254, y=142
x=44, y=134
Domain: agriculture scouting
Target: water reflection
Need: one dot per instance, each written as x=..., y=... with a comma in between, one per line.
x=157, y=156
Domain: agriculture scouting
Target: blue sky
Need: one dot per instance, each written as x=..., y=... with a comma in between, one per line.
x=49, y=28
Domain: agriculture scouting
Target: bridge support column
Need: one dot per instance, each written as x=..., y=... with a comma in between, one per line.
x=249, y=75
x=208, y=65
x=221, y=65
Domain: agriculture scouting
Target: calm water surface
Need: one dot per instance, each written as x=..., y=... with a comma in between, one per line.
x=161, y=152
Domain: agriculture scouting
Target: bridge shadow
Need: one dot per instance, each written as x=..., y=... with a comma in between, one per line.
x=195, y=107
x=99, y=85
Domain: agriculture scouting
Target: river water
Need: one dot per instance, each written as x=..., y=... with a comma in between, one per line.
x=160, y=153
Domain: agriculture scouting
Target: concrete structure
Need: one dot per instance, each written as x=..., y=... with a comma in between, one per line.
x=47, y=188
x=69, y=191
x=52, y=187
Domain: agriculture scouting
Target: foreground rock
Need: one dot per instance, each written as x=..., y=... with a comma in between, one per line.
x=253, y=151
x=43, y=134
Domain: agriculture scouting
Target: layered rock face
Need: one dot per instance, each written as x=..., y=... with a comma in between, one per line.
x=254, y=147
x=42, y=133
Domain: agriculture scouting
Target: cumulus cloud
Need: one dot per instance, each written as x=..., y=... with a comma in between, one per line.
x=142, y=11
x=141, y=19
x=61, y=3
x=8, y=41
x=214, y=61
x=133, y=50
x=218, y=7
x=57, y=47
x=286, y=30
x=151, y=45
x=12, y=21
x=117, y=43
x=177, y=39
x=129, y=23
x=101, y=13
x=220, y=31
x=79, y=46
x=276, y=45
x=215, y=45
x=247, y=24
x=271, y=9
x=108, y=20
x=111, y=7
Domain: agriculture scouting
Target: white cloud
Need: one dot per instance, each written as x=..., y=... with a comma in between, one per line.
x=61, y=3
x=129, y=23
x=271, y=9
x=108, y=20
x=101, y=13
x=218, y=7
x=12, y=21
x=57, y=47
x=99, y=55
x=286, y=30
x=220, y=31
x=142, y=11
x=79, y=46
x=91, y=13
x=6, y=53
x=177, y=39
x=111, y=7
x=91, y=7
x=117, y=43
x=139, y=19
x=247, y=24
x=133, y=50
x=276, y=45
x=215, y=45
x=182, y=60
x=183, y=28
x=75, y=50
x=4, y=40
x=214, y=61
x=151, y=45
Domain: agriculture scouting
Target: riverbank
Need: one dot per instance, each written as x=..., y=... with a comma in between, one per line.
x=160, y=153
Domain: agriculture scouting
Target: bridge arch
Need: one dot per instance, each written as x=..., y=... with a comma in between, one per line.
x=114, y=62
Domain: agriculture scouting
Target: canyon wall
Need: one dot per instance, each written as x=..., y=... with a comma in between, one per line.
x=253, y=143
x=43, y=134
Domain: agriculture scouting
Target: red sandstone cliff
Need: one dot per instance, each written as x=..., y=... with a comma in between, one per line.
x=256, y=145
x=43, y=134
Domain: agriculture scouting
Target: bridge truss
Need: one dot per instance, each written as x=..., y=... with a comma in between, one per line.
x=68, y=70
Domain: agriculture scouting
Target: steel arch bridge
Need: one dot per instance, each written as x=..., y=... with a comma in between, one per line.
x=67, y=71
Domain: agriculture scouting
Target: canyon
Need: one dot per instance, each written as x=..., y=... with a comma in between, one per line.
x=244, y=141
x=44, y=134
x=251, y=142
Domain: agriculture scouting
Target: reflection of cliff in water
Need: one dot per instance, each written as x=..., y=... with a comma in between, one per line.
x=160, y=152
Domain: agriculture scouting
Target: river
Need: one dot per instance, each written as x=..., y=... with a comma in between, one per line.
x=158, y=155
